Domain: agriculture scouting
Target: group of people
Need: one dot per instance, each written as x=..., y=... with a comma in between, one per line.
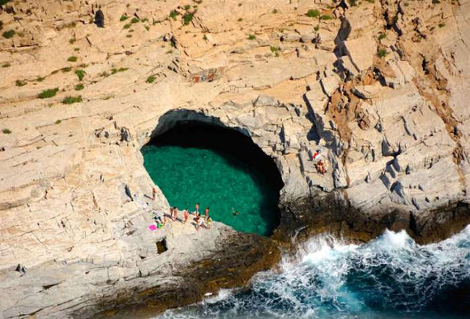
x=204, y=221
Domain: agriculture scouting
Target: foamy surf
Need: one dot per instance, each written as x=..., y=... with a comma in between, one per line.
x=390, y=276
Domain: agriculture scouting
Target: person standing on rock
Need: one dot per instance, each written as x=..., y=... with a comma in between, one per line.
x=186, y=215
x=209, y=222
x=154, y=194
x=197, y=209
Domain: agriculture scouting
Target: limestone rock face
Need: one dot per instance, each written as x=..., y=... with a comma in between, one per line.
x=381, y=89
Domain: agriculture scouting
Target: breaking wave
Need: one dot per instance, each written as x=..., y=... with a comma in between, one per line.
x=391, y=277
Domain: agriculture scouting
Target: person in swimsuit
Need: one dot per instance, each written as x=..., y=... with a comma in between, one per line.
x=196, y=212
x=206, y=213
x=209, y=222
x=186, y=215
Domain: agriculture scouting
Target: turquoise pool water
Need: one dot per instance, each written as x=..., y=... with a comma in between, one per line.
x=215, y=179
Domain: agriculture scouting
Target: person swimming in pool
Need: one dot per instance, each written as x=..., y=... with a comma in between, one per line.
x=235, y=212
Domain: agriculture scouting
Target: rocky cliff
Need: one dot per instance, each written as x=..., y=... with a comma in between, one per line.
x=379, y=86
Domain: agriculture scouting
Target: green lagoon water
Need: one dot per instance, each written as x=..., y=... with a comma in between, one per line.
x=190, y=175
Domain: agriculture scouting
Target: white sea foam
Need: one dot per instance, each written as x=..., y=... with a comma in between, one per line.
x=329, y=278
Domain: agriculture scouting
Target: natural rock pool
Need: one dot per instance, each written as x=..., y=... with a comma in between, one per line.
x=218, y=168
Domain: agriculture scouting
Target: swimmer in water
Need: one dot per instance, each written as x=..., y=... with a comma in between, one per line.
x=234, y=212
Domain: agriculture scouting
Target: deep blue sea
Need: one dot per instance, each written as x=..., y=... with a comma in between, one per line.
x=389, y=277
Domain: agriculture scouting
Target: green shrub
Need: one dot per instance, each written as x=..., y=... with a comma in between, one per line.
x=6, y=131
x=114, y=70
x=313, y=13
x=275, y=11
x=72, y=59
x=48, y=93
x=76, y=49
x=382, y=53
x=436, y=1
x=441, y=25
x=6, y=65
x=40, y=79
x=4, y=2
x=188, y=17
x=187, y=7
x=58, y=122
x=123, y=18
x=127, y=26
x=80, y=73
x=135, y=20
x=9, y=34
x=204, y=37
x=174, y=14
x=382, y=36
x=169, y=52
x=72, y=99
x=79, y=87
x=67, y=69
x=316, y=28
x=72, y=41
x=20, y=83
x=353, y=3
x=150, y=79
x=251, y=37
x=144, y=20
x=326, y=17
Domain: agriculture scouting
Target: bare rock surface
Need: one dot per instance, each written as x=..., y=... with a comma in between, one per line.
x=380, y=88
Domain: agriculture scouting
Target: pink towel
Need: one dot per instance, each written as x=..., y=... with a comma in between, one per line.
x=153, y=227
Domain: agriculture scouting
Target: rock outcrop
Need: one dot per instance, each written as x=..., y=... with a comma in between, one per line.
x=380, y=87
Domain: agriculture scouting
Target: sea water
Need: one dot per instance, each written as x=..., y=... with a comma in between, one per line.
x=236, y=193
x=389, y=277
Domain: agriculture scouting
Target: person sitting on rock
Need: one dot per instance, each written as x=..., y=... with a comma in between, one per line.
x=206, y=213
x=209, y=222
x=198, y=221
x=320, y=166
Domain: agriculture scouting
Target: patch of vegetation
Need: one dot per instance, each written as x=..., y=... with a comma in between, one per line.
x=114, y=70
x=144, y=20
x=72, y=41
x=104, y=74
x=83, y=65
x=72, y=99
x=135, y=20
x=123, y=18
x=72, y=59
x=40, y=79
x=371, y=1
x=46, y=94
x=173, y=14
x=240, y=19
x=169, y=52
x=317, y=28
x=187, y=7
x=20, y=83
x=441, y=25
x=188, y=17
x=58, y=122
x=204, y=37
x=436, y=1
x=353, y=3
x=251, y=37
x=150, y=79
x=9, y=34
x=76, y=49
x=80, y=73
x=274, y=50
x=382, y=53
x=147, y=28
x=79, y=87
x=6, y=131
x=127, y=26
x=313, y=13
x=382, y=36
x=67, y=69
x=6, y=65
x=275, y=11
x=406, y=4
x=129, y=36
x=1, y=24
x=326, y=17
x=4, y=2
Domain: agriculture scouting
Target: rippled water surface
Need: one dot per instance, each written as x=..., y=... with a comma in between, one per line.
x=390, y=277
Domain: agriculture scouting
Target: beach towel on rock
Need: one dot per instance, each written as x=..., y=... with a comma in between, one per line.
x=153, y=227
